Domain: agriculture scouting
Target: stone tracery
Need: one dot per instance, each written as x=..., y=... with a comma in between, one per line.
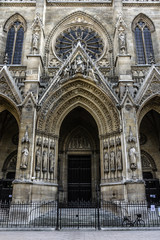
x=89, y=39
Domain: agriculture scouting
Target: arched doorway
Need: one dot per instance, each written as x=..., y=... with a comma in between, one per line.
x=150, y=153
x=79, y=167
x=8, y=153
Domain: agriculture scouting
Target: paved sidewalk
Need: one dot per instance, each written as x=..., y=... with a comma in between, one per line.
x=80, y=235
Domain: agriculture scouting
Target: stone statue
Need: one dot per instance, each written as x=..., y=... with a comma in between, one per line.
x=119, y=160
x=66, y=72
x=79, y=65
x=35, y=42
x=38, y=160
x=132, y=156
x=112, y=160
x=106, y=162
x=24, y=160
x=51, y=162
x=44, y=161
x=25, y=139
x=122, y=42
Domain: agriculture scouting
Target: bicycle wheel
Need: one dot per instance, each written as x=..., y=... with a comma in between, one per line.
x=126, y=223
x=140, y=223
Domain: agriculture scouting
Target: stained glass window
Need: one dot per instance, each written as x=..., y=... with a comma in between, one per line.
x=14, y=43
x=144, y=47
x=88, y=38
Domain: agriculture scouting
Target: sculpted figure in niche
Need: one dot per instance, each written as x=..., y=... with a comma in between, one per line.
x=112, y=160
x=119, y=160
x=106, y=162
x=44, y=161
x=38, y=160
x=122, y=42
x=132, y=156
x=51, y=162
x=79, y=65
x=35, y=42
x=24, y=160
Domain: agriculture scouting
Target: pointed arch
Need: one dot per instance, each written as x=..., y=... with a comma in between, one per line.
x=15, y=17
x=142, y=27
x=9, y=105
x=151, y=103
x=15, y=27
x=78, y=92
x=146, y=19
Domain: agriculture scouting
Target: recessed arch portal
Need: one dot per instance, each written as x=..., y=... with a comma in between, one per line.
x=79, y=155
x=9, y=137
x=149, y=130
x=60, y=103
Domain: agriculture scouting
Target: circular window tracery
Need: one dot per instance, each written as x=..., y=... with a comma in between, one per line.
x=89, y=39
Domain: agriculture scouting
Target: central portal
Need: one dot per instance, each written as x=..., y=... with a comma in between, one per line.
x=79, y=178
x=79, y=158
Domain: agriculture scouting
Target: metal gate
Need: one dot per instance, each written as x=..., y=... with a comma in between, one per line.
x=79, y=178
x=78, y=215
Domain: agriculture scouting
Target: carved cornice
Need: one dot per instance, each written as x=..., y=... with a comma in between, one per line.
x=79, y=3
x=140, y=3
x=17, y=3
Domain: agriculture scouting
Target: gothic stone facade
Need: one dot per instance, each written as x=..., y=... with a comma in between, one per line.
x=79, y=80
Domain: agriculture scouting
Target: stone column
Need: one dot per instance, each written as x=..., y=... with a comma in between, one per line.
x=25, y=158
x=24, y=187
x=133, y=181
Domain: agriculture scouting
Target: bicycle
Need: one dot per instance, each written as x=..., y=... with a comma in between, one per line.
x=138, y=222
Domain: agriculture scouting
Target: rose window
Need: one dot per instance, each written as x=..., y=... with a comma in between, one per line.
x=88, y=38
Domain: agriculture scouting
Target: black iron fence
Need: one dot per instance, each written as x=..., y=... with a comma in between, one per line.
x=95, y=215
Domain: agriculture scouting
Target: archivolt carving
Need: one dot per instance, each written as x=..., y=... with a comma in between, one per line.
x=78, y=93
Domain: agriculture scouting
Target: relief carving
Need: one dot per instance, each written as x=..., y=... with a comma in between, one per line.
x=79, y=142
